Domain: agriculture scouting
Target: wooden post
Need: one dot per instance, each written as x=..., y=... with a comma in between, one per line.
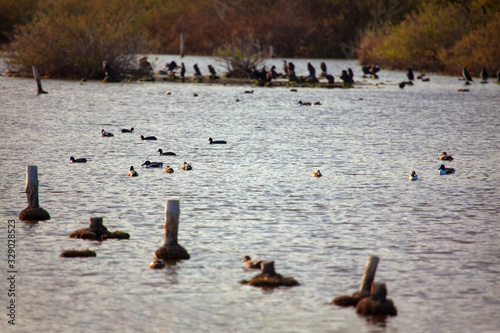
x=171, y=226
x=271, y=51
x=182, y=45
x=31, y=188
x=96, y=225
x=38, y=81
x=369, y=274
x=267, y=267
x=33, y=212
x=378, y=292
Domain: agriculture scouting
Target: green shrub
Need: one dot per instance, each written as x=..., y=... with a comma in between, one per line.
x=239, y=58
x=72, y=38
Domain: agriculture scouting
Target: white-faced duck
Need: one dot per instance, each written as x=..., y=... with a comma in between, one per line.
x=149, y=164
x=148, y=137
x=249, y=263
x=186, y=166
x=168, y=169
x=132, y=172
x=78, y=160
x=220, y=142
x=445, y=171
x=165, y=153
x=445, y=157
x=413, y=176
x=104, y=133
x=124, y=130
x=317, y=174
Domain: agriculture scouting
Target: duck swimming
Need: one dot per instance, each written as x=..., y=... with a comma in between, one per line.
x=445, y=171
x=124, y=130
x=132, y=172
x=221, y=142
x=149, y=164
x=249, y=263
x=104, y=133
x=148, y=137
x=317, y=174
x=168, y=169
x=78, y=160
x=167, y=153
x=303, y=103
x=186, y=166
x=413, y=176
x=445, y=157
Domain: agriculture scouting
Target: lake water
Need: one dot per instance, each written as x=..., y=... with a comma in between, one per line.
x=437, y=238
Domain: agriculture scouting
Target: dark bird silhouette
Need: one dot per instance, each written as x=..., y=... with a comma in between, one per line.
x=196, y=70
x=409, y=74
x=466, y=75
x=124, y=130
x=183, y=70
x=110, y=74
x=345, y=77
x=171, y=66
x=291, y=68
x=148, y=137
x=323, y=68
x=330, y=78
x=484, y=74
x=165, y=153
x=220, y=142
x=285, y=68
x=351, y=74
x=104, y=133
x=402, y=84
x=149, y=164
x=271, y=74
x=132, y=172
x=311, y=69
x=78, y=160
x=212, y=70
x=366, y=70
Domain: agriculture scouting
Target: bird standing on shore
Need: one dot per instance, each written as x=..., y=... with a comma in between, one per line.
x=183, y=71
x=409, y=74
x=466, y=75
x=484, y=74
x=196, y=70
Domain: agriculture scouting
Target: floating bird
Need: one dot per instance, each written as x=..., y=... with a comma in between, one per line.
x=124, y=130
x=317, y=174
x=484, y=74
x=409, y=74
x=78, y=160
x=149, y=164
x=168, y=169
x=104, y=133
x=186, y=166
x=317, y=103
x=195, y=95
x=445, y=171
x=323, y=68
x=466, y=75
x=421, y=76
x=249, y=263
x=402, y=84
x=132, y=172
x=196, y=70
x=445, y=157
x=168, y=93
x=304, y=103
x=167, y=153
x=221, y=142
x=293, y=90
x=148, y=137
x=248, y=91
x=413, y=176
x=425, y=79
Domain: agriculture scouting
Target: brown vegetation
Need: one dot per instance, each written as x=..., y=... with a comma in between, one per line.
x=77, y=253
x=34, y=214
x=103, y=235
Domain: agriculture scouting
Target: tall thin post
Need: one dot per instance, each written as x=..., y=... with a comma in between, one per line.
x=369, y=274
x=33, y=212
x=182, y=45
x=171, y=226
x=38, y=81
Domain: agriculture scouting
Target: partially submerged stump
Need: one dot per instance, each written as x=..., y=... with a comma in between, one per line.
x=269, y=278
x=33, y=212
x=377, y=304
x=171, y=250
x=78, y=253
x=97, y=231
x=364, y=288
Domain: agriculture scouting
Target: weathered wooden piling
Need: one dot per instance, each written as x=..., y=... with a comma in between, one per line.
x=181, y=51
x=171, y=250
x=38, y=81
x=364, y=288
x=268, y=278
x=97, y=231
x=33, y=212
x=377, y=304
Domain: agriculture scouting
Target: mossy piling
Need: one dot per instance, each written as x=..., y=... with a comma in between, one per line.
x=33, y=212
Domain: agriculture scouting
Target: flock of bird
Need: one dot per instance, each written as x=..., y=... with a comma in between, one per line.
x=443, y=170
x=148, y=164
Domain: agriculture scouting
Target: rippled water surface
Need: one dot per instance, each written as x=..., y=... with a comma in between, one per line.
x=437, y=238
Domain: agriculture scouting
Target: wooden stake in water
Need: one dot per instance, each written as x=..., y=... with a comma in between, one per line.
x=369, y=274
x=38, y=81
x=181, y=45
x=33, y=212
x=267, y=267
x=171, y=250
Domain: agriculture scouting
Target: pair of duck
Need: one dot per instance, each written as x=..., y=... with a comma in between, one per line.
x=133, y=173
x=308, y=103
x=442, y=171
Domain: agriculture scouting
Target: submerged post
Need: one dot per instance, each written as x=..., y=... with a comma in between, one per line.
x=171, y=250
x=33, y=212
x=267, y=267
x=369, y=274
x=38, y=81
x=181, y=45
